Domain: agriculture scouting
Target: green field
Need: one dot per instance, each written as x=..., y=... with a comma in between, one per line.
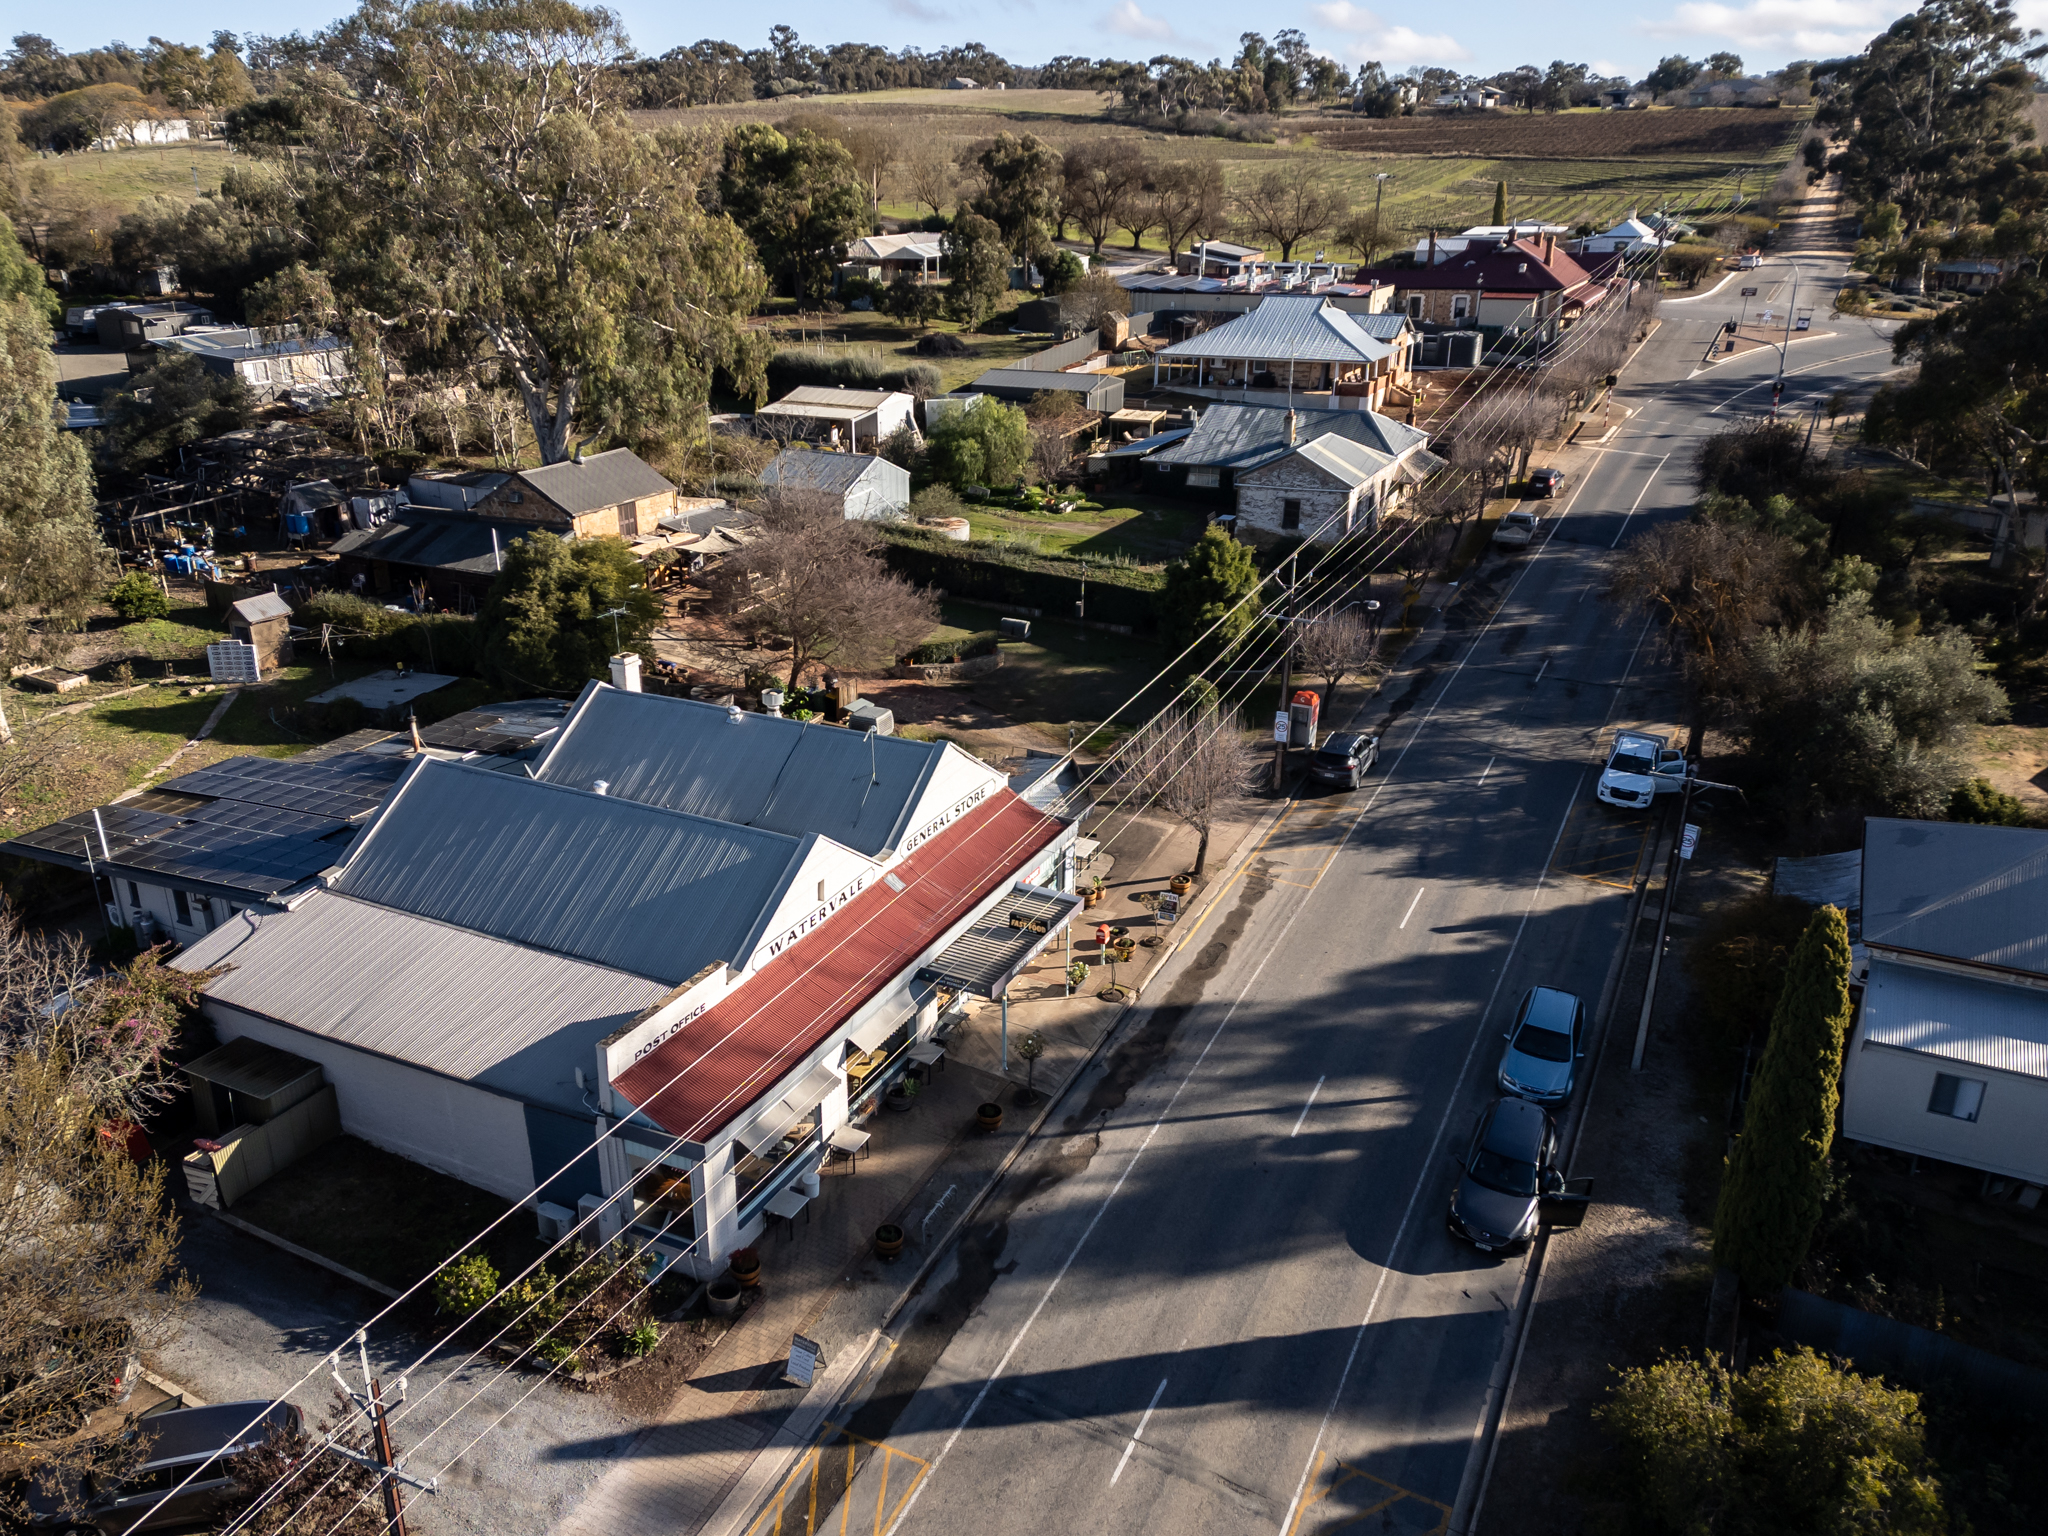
x=120, y=179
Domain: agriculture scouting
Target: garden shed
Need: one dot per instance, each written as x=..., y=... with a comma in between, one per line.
x=264, y=621
x=862, y=484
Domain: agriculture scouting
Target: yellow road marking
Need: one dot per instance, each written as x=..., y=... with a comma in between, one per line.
x=1383, y=1496
x=794, y=1509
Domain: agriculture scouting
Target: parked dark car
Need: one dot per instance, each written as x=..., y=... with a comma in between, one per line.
x=1545, y=1045
x=1510, y=1175
x=1545, y=482
x=1344, y=759
x=175, y=1444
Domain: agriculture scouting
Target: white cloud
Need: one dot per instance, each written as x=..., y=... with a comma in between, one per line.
x=917, y=11
x=1816, y=29
x=1389, y=45
x=1128, y=21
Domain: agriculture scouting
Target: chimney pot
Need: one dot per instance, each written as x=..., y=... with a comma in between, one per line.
x=600, y=786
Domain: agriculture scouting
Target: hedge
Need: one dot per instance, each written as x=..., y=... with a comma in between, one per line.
x=795, y=366
x=965, y=648
x=367, y=631
x=1117, y=594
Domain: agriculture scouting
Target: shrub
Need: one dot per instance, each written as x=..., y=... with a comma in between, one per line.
x=961, y=648
x=643, y=1339
x=1979, y=802
x=466, y=1286
x=560, y=1353
x=137, y=596
x=865, y=368
x=367, y=631
x=997, y=573
x=922, y=380
x=987, y=446
x=935, y=502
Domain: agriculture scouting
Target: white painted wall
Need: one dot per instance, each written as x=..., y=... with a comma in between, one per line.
x=1885, y=1092
x=460, y=1130
x=960, y=782
x=828, y=876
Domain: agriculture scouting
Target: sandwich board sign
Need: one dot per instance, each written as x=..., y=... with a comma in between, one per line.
x=805, y=1356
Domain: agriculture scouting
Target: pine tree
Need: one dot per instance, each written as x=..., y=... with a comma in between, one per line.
x=1500, y=203
x=1206, y=585
x=1772, y=1188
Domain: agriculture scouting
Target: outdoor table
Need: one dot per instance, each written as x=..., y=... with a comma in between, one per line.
x=850, y=1141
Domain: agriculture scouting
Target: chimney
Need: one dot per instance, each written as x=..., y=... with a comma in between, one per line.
x=576, y=454
x=626, y=672
x=599, y=786
x=412, y=720
x=1432, y=247
x=1290, y=426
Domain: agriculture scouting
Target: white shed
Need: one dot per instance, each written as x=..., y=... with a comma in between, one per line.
x=864, y=485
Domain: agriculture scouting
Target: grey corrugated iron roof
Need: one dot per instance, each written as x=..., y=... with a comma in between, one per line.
x=1978, y=894
x=1351, y=462
x=1240, y=436
x=601, y=480
x=1145, y=445
x=245, y=346
x=1045, y=379
x=611, y=880
x=789, y=776
x=820, y=401
x=1382, y=327
x=503, y=1015
x=451, y=541
x=806, y=469
x=264, y=605
x=1959, y=1018
x=1286, y=327
x=987, y=957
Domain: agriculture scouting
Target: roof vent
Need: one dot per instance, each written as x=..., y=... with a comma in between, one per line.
x=599, y=786
x=734, y=714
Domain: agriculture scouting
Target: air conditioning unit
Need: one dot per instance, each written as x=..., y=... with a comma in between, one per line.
x=555, y=1221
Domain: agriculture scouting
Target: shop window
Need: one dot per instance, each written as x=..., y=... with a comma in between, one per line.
x=662, y=1201
x=1957, y=1097
x=760, y=1177
x=1290, y=513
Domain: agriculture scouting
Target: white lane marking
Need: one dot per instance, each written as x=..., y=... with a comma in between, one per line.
x=1543, y=669
x=1482, y=779
x=1297, y=1125
x=1849, y=357
x=1138, y=1433
x=1631, y=453
x=1429, y=1173
x=1639, y=500
x=988, y=1384
x=1421, y=888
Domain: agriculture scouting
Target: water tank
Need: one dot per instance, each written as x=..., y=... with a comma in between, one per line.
x=1462, y=349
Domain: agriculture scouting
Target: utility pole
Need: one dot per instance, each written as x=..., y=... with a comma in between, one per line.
x=1283, y=718
x=1681, y=854
x=1778, y=388
x=370, y=1403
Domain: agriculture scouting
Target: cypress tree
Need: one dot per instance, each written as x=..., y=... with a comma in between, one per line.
x=1772, y=1187
x=1500, y=203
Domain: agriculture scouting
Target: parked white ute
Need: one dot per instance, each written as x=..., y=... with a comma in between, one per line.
x=1514, y=529
x=1639, y=768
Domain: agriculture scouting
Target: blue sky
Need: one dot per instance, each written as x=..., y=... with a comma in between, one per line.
x=1480, y=36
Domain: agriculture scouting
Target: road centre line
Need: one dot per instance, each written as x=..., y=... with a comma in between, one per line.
x=1138, y=1433
x=1631, y=512
x=1298, y=1119
x=1831, y=362
x=1279, y=939
x=1420, y=889
x=1428, y=1172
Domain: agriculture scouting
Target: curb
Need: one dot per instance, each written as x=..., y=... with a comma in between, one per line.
x=301, y=1253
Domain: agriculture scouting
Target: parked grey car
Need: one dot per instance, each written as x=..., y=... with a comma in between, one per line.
x=1545, y=1046
x=1344, y=759
x=1508, y=1168
x=177, y=1443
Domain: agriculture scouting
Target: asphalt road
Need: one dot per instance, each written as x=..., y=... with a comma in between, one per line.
x=1225, y=1300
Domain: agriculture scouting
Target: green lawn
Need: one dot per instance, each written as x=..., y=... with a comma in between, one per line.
x=1064, y=674
x=121, y=178
x=1132, y=528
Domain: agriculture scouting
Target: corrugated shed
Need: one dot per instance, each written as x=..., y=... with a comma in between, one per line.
x=622, y=884
x=1286, y=327
x=506, y=1016
x=1949, y=888
x=821, y=402
x=720, y=1065
x=805, y=469
x=788, y=776
x=601, y=480
x=450, y=542
x=1958, y=1018
x=264, y=605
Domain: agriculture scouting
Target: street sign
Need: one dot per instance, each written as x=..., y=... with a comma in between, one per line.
x=1281, y=722
x=1802, y=322
x=1689, y=841
x=1169, y=907
x=1749, y=293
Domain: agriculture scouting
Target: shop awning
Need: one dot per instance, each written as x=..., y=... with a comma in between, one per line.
x=773, y=1123
x=985, y=959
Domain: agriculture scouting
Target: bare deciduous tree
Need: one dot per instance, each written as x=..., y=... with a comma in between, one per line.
x=928, y=172
x=1195, y=765
x=1287, y=206
x=1716, y=582
x=1187, y=200
x=1334, y=645
x=816, y=579
x=1100, y=180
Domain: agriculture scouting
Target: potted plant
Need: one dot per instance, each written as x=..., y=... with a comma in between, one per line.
x=888, y=1241
x=745, y=1265
x=1180, y=885
x=902, y=1093
x=1093, y=894
x=1077, y=976
x=989, y=1117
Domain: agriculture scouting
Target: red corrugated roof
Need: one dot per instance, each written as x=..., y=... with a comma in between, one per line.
x=718, y=1066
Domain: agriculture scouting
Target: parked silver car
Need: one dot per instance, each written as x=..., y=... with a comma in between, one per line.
x=1545, y=1045
x=175, y=1445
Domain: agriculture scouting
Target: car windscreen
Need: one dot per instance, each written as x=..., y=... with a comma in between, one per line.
x=1543, y=1044
x=1509, y=1175
x=1629, y=762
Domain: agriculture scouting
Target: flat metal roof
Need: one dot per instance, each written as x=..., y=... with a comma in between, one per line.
x=1984, y=1023
x=1015, y=931
x=1286, y=327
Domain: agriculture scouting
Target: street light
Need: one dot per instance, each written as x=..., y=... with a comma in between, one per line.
x=1778, y=388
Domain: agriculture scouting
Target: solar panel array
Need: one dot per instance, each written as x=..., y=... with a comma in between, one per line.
x=343, y=787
